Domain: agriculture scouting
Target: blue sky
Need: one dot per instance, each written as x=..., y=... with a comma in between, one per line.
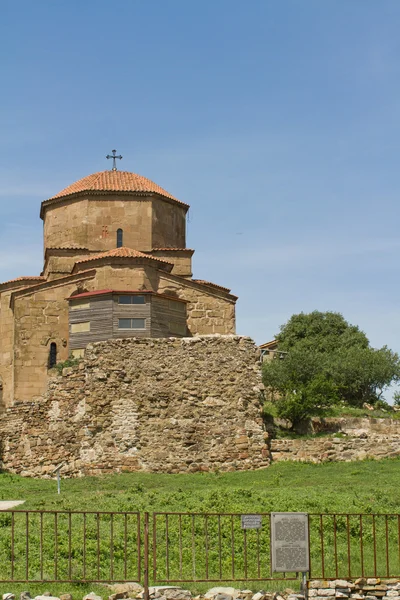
x=277, y=121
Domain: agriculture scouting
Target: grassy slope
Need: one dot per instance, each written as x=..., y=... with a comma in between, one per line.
x=369, y=486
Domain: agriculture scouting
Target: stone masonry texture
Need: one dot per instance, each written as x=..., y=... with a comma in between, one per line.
x=351, y=439
x=335, y=449
x=161, y=405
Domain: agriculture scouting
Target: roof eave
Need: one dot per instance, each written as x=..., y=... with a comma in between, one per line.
x=153, y=262
x=88, y=274
x=77, y=195
x=18, y=283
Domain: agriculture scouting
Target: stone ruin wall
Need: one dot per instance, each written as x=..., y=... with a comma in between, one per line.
x=173, y=406
x=160, y=405
x=351, y=439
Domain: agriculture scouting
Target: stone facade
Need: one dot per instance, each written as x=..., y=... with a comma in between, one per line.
x=83, y=225
x=161, y=405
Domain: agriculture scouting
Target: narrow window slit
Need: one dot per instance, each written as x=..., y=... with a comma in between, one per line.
x=52, y=355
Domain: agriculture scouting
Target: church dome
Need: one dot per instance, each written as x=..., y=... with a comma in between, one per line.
x=114, y=181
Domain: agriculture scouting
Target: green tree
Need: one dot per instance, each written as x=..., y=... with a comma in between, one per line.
x=326, y=361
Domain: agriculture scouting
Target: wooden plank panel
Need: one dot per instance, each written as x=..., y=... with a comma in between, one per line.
x=100, y=316
x=162, y=315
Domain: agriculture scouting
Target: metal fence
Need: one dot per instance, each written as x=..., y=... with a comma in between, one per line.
x=354, y=545
x=64, y=546
x=195, y=547
x=178, y=547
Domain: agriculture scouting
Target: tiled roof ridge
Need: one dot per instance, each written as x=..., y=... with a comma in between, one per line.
x=90, y=293
x=114, y=181
x=123, y=252
x=55, y=282
x=221, y=287
x=24, y=278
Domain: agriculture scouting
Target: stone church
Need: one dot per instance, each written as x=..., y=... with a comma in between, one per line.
x=115, y=266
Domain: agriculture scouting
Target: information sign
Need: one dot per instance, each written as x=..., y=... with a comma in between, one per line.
x=289, y=542
x=251, y=521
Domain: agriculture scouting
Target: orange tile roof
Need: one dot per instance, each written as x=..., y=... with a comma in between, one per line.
x=53, y=282
x=89, y=294
x=115, y=181
x=27, y=278
x=122, y=253
x=203, y=281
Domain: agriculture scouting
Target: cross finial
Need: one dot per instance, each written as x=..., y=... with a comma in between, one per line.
x=114, y=157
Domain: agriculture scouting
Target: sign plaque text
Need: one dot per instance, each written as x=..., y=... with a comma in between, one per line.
x=251, y=521
x=289, y=542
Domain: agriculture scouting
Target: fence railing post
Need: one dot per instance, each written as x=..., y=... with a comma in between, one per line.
x=146, y=557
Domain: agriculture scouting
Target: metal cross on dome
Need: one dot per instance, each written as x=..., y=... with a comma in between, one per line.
x=114, y=157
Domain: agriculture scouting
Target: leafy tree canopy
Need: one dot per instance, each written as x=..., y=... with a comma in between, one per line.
x=321, y=332
x=325, y=361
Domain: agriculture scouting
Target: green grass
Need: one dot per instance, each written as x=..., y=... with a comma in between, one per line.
x=361, y=487
x=270, y=411
x=352, y=411
x=366, y=486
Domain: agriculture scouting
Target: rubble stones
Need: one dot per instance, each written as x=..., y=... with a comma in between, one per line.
x=245, y=595
x=227, y=591
x=131, y=589
x=342, y=583
x=317, y=590
x=176, y=594
x=92, y=596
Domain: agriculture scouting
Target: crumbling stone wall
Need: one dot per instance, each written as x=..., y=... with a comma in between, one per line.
x=370, y=588
x=352, y=438
x=160, y=405
x=332, y=449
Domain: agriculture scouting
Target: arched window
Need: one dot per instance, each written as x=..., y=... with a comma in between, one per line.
x=120, y=238
x=52, y=355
